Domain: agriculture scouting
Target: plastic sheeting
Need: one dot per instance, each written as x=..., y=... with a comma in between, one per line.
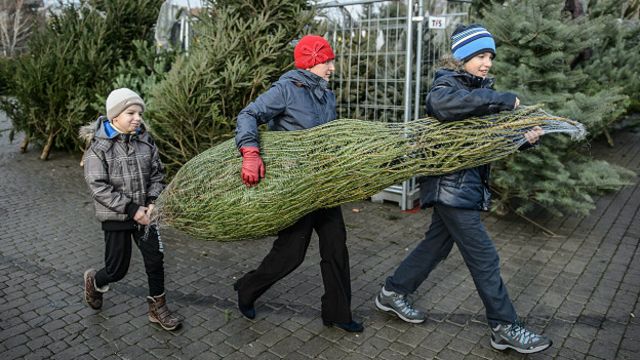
x=169, y=26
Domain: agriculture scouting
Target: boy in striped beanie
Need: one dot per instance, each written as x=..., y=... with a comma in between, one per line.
x=460, y=90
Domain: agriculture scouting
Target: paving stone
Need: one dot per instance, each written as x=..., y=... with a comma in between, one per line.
x=39, y=354
x=313, y=347
x=16, y=352
x=332, y=353
x=373, y=347
x=389, y=354
x=286, y=346
x=239, y=340
x=436, y=341
x=461, y=346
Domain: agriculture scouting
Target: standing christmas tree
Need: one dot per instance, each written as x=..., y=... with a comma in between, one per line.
x=72, y=58
x=539, y=59
x=239, y=48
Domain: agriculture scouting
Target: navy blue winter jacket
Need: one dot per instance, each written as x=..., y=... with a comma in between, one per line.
x=456, y=96
x=299, y=100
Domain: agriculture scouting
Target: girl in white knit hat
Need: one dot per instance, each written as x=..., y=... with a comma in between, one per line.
x=125, y=176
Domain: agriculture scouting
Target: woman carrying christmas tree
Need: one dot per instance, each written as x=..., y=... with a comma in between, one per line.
x=458, y=198
x=299, y=100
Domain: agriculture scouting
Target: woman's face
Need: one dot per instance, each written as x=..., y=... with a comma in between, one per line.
x=479, y=65
x=129, y=120
x=324, y=70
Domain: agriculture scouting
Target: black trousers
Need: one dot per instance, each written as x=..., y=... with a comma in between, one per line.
x=117, y=257
x=288, y=252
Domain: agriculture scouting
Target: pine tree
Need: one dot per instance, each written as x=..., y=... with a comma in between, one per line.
x=539, y=46
x=615, y=62
x=239, y=49
x=70, y=60
x=139, y=73
x=7, y=69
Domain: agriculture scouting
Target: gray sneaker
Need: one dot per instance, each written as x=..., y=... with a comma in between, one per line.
x=518, y=338
x=400, y=305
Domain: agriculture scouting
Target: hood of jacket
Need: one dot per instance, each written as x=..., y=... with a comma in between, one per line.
x=306, y=78
x=102, y=129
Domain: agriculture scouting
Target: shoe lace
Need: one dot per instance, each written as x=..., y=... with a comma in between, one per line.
x=522, y=334
x=406, y=305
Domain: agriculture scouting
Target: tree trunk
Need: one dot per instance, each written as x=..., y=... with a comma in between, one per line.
x=25, y=143
x=47, y=146
x=609, y=138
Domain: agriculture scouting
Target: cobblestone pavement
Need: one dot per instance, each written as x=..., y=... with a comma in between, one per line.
x=581, y=288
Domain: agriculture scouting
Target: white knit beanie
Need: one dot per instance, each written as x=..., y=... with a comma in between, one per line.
x=120, y=99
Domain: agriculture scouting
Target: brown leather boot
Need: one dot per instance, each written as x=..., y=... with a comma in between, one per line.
x=93, y=295
x=159, y=313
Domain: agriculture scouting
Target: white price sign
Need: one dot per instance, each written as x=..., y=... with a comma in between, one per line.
x=437, y=22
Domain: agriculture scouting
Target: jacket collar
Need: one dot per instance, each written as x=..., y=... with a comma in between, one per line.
x=467, y=79
x=104, y=130
x=316, y=84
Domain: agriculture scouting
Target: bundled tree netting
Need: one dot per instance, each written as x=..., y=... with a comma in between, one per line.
x=341, y=161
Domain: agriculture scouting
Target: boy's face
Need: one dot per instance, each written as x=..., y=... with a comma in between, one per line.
x=324, y=70
x=129, y=120
x=479, y=65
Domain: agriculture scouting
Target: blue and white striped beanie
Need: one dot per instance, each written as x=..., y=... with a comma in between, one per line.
x=469, y=41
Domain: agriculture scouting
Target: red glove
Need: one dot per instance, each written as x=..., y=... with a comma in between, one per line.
x=252, y=165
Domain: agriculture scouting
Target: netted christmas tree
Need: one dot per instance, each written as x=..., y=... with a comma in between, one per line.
x=540, y=48
x=328, y=165
x=239, y=49
x=71, y=59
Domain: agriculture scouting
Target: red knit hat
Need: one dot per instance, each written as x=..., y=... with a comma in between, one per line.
x=312, y=50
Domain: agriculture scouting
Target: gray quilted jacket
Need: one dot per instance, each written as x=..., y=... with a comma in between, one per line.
x=123, y=171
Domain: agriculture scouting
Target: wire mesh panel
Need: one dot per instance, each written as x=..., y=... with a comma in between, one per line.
x=370, y=43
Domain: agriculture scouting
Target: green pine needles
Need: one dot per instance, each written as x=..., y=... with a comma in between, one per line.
x=73, y=57
x=342, y=161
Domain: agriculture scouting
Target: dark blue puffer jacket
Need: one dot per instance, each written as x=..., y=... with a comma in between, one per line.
x=456, y=96
x=299, y=100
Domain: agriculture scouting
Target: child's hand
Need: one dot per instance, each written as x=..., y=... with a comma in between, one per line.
x=141, y=216
x=534, y=134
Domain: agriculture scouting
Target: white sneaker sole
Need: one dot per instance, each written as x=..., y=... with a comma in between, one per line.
x=522, y=351
x=389, y=309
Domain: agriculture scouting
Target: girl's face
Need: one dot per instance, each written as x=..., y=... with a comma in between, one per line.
x=479, y=65
x=324, y=70
x=128, y=120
